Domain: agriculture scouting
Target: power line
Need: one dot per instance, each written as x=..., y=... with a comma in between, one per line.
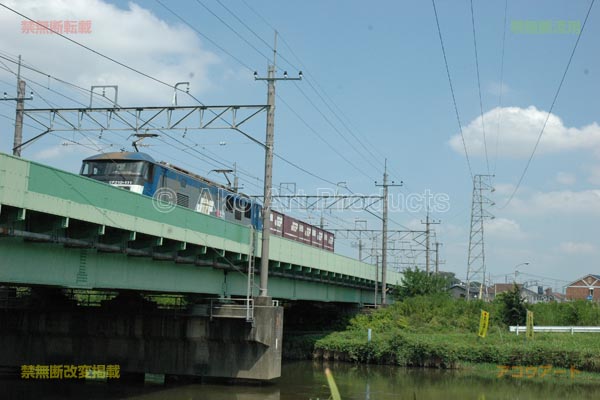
x=247, y=67
x=151, y=77
x=92, y=50
x=232, y=29
x=337, y=131
x=313, y=130
x=241, y=21
x=88, y=91
x=487, y=163
x=239, y=61
x=501, y=87
x=452, y=88
x=325, y=101
x=551, y=107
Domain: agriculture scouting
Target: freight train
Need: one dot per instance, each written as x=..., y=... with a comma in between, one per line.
x=139, y=173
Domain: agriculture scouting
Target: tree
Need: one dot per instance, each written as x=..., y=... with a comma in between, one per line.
x=512, y=307
x=416, y=282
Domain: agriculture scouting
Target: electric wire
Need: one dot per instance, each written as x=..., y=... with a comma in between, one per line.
x=321, y=97
x=239, y=61
x=241, y=21
x=150, y=77
x=487, y=163
x=337, y=131
x=562, y=80
x=92, y=50
x=232, y=29
x=501, y=89
x=452, y=89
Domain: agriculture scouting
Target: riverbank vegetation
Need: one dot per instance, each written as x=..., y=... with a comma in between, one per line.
x=434, y=330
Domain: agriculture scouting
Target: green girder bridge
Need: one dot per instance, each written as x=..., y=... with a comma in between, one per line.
x=64, y=230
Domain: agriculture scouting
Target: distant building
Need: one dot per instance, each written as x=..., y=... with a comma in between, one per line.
x=549, y=295
x=586, y=288
x=529, y=296
x=459, y=291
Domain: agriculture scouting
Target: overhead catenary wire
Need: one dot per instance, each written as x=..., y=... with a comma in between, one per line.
x=562, y=80
x=284, y=159
x=320, y=137
x=87, y=91
x=326, y=101
x=245, y=65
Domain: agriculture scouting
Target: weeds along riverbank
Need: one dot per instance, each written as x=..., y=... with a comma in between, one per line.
x=440, y=332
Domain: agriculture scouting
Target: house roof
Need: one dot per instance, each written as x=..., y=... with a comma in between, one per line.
x=504, y=287
x=463, y=287
x=595, y=276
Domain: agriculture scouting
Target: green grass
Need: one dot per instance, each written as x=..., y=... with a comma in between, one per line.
x=441, y=332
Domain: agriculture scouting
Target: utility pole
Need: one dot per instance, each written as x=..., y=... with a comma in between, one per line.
x=20, y=99
x=376, y=277
x=385, y=186
x=266, y=231
x=437, y=257
x=427, y=234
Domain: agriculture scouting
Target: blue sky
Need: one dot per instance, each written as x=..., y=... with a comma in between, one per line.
x=380, y=67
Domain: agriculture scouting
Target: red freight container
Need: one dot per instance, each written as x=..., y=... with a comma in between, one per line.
x=290, y=228
x=317, y=238
x=276, y=226
x=329, y=241
x=304, y=233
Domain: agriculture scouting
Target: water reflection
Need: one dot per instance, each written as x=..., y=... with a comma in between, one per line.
x=306, y=381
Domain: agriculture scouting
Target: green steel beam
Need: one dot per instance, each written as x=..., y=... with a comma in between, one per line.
x=117, y=216
x=86, y=268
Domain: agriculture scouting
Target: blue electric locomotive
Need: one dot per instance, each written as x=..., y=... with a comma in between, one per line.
x=140, y=173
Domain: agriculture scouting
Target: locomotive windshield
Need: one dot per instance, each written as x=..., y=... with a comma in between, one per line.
x=115, y=169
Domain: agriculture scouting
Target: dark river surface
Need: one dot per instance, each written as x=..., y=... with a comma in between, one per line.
x=305, y=380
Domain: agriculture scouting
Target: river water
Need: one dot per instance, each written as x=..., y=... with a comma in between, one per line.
x=306, y=381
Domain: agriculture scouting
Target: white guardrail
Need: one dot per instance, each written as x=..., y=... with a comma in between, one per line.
x=558, y=329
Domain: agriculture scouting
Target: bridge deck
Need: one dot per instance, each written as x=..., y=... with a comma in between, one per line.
x=97, y=224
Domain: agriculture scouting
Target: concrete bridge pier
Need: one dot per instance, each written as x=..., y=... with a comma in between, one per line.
x=205, y=341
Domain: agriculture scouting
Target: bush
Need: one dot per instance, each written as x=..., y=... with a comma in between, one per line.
x=512, y=307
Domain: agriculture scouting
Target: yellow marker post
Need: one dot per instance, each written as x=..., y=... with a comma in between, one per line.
x=484, y=322
x=529, y=330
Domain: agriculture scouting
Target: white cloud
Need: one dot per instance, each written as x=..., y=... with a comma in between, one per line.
x=585, y=202
x=520, y=128
x=565, y=178
x=504, y=228
x=577, y=247
x=133, y=36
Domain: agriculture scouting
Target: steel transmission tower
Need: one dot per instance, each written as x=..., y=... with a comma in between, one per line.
x=479, y=213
